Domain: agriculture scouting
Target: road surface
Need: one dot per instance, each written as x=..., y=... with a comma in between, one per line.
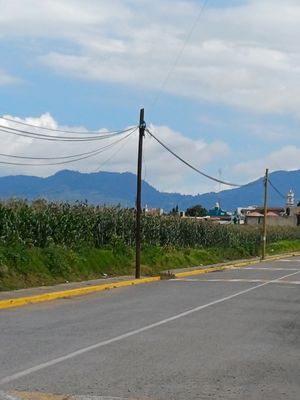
x=227, y=335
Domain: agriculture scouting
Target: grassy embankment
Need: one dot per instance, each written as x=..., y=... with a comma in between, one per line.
x=22, y=266
x=42, y=244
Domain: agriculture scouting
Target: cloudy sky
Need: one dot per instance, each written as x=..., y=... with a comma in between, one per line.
x=220, y=84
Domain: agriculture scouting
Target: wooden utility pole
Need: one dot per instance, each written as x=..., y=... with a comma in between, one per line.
x=142, y=127
x=264, y=234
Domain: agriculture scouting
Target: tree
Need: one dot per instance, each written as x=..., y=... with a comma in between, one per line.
x=175, y=210
x=298, y=205
x=196, y=211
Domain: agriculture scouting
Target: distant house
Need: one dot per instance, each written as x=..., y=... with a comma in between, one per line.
x=241, y=212
x=254, y=218
x=276, y=216
x=273, y=219
x=217, y=213
x=153, y=211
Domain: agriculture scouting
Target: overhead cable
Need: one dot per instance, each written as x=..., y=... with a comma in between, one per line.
x=114, y=154
x=276, y=190
x=92, y=154
x=190, y=165
x=180, y=53
x=56, y=129
x=34, y=135
x=64, y=157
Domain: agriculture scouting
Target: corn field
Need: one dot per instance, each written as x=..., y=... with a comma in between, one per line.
x=41, y=224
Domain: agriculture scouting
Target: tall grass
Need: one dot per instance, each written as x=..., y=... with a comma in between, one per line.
x=42, y=224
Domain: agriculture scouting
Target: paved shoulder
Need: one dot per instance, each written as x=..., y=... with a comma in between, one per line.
x=49, y=396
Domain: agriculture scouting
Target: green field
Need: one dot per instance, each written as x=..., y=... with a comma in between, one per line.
x=45, y=243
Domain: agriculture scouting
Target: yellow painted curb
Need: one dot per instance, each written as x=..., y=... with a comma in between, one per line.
x=233, y=265
x=278, y=257
x=215, y=269
x=38, y=396
x=21, y=301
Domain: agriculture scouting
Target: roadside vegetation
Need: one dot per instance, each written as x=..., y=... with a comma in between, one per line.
x=44, y=243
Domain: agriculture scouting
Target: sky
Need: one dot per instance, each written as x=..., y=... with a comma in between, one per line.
x=219, y=81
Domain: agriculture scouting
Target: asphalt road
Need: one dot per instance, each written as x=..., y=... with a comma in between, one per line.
x=225, y=335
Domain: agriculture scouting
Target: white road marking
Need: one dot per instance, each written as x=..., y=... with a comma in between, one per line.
x=267, y=269
x=290, y=286
x=6, y=396
x=286, y=261
x=99, y=398
x=58, y=360
x=231, y=280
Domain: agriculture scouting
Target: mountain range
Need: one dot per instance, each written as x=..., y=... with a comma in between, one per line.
x=113, y=188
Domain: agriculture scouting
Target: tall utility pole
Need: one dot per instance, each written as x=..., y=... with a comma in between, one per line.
x=264, y=235
x=142, y=127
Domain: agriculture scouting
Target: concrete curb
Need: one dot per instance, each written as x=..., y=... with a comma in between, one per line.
x=215, y=269
x=239, y=264
x=22, y=301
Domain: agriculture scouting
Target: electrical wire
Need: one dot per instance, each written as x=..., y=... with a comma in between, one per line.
x=69, y=161
x=113, y=155
x=276, y=190
x=34, y=135
x=190, y=165
x=48, y=158
x=179, y=55
x=55, y=129
x=104, y=135
x=64, y=157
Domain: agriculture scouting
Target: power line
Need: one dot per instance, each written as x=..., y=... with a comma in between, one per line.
x=190, y=165
x=62, y=157
x=56, y=129
x=176, y=61
x=114, y=154
x=61, y=138
x=34, y=135
x=89, y=155
x=276, y=190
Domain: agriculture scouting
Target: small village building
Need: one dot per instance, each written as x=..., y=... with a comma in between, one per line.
x=254, y=218
x=153, y=211
x=240, y=214
x=276, y=216
x=219, y=215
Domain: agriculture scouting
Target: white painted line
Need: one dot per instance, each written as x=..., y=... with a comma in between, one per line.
x=232, y=280
x=6, y=396
x=286, y=260
x=99, y=398
x=55, y=361
x=269, y=269
x=219, y=280
x=290, y=286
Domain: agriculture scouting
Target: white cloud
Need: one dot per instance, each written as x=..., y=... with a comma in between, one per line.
x=286, y=158
x=6, y=79
x=161, y=169
x=244, y=56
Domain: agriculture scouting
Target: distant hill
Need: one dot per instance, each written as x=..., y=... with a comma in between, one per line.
x=113, y=188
